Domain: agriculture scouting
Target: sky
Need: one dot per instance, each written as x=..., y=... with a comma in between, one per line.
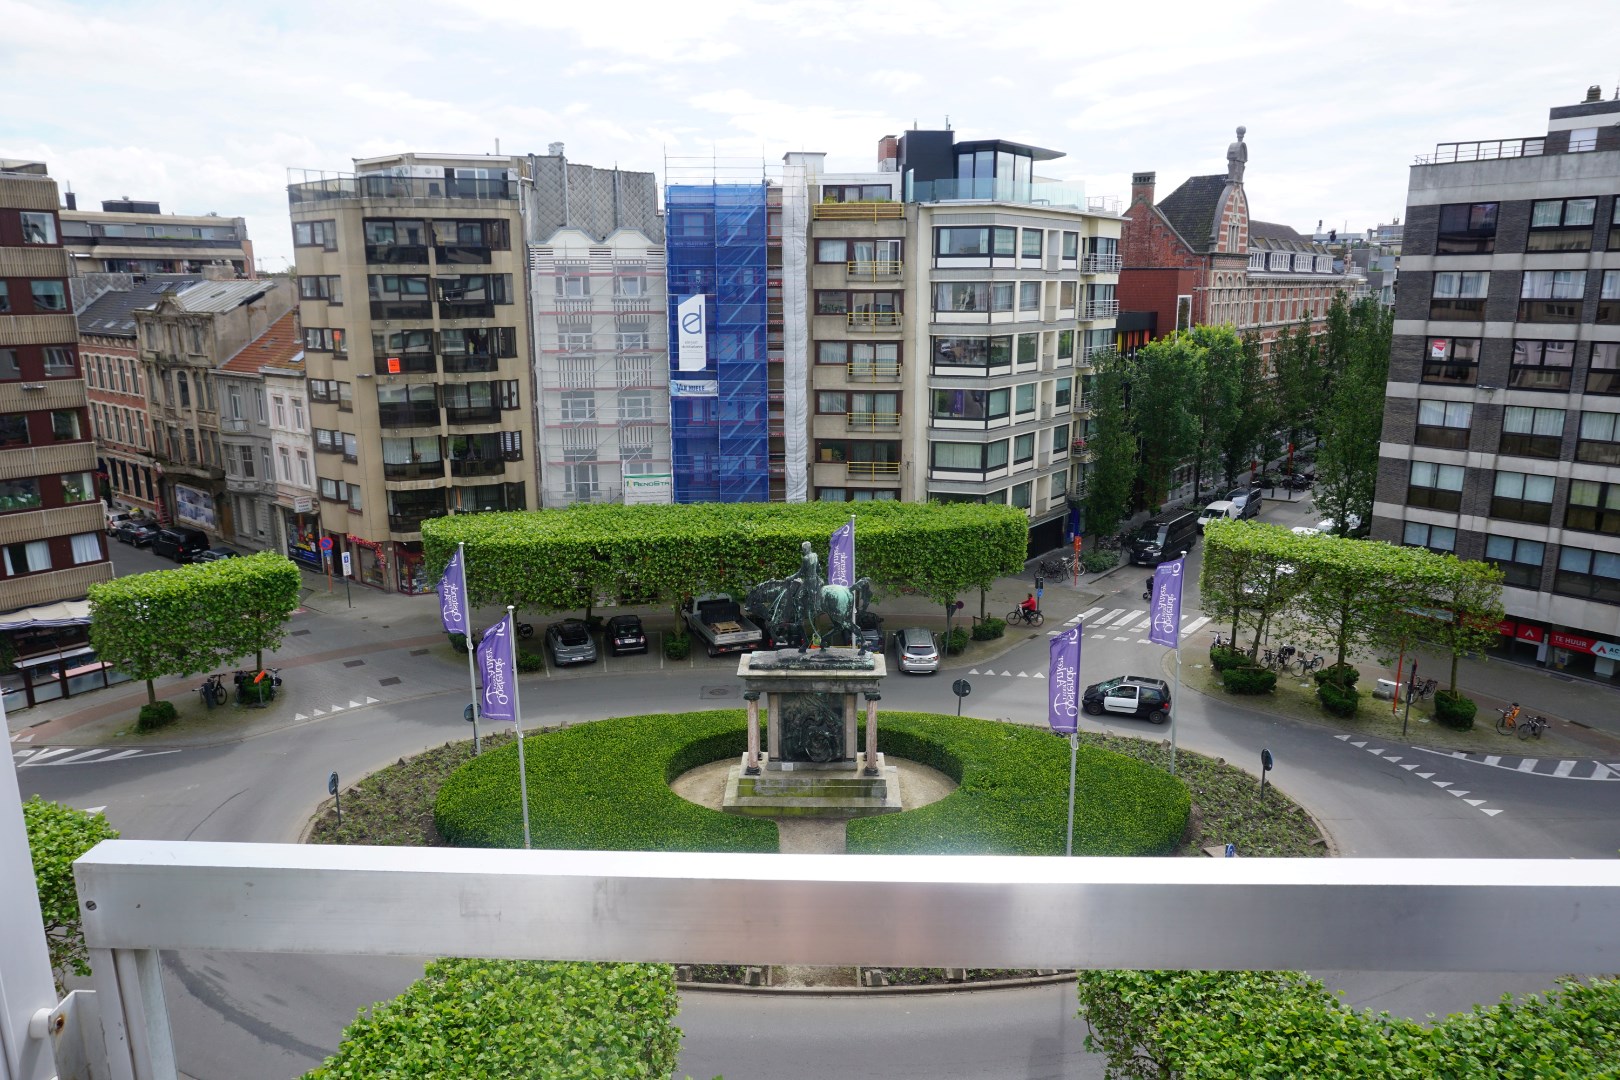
x=205, y=106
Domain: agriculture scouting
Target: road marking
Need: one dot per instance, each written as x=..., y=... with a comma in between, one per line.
x=1601, y=771
x=299, y=716
x=1493, y=760
x=20, y=737
x=1375, y=750
x=1475, y=802
x=372, y=701
x=82, y=756
x=355, y=704
x=1410, y=767
x=1424, y=775
x=1455, y=791
x=319, y=712
x=56, y=751
x=1527, y=765
x=1104, y=620
x=335, y=708
x=1122, y=639
x=1392, y=759
x=973, y=671
x=1359, y=745
x=1021, y=675
x=1564, y=768
x=1007, y=673
x=1493, y=813
x=1037, y=675
x=1441, y=783
x=1195, y=625
x=1342, y=738
x=95, y=810
x=1138, y=613
x=1143, y=625
x=1084, y=615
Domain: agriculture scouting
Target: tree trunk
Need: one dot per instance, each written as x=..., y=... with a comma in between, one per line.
x=258, y=661
x=1453, y=686
x=151, y=692
x=982, y=615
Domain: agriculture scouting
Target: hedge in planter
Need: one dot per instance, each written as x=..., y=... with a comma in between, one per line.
x=1249, y=680
x=1223, y=659
x=1454, y=710
x=989, y=629
x=1338, y=699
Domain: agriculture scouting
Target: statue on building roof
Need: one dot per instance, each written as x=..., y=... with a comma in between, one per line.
x=1237, y=156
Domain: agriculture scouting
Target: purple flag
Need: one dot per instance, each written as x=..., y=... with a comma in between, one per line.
x=1166, y=627
x=841, y=556
x=1063, y=682
x=453, y=596
x=496, y=662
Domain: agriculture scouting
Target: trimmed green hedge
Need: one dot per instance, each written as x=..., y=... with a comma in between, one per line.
x=1249, y=680
x=1013, y=794
x=500, y=1019
x=1097, y=561
x=603, y=785
x=1454, y=710
x=1223, y=659
x=989, y=629
x=1338, y=699
x=1342, y=675
x=530, y=662
x=1286, y=1024
x=156, y=714
x=956, y=642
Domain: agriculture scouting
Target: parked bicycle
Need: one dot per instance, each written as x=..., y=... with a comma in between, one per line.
x=213, y=690
x=1057, y=566
x=1420, y=690
x=1279, y=659
x=256, y=689
x=1532, y=725
x=1022, y=616
x=1221, y=640
x=1304, y=665
x=1508, y=719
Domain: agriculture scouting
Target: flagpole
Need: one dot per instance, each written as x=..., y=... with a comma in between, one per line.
x=472, y=672
x=1175, y=704
x=852, y=574
x=1074, y=749
x=517, y=718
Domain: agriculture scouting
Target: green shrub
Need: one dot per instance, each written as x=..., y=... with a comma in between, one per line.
x=1012, y=798
x=1454, y=710
x=530, y=662
x=989, y=629
x=677, y=646
x=57, y=835
x=956, y=641
x=1246, y=679
x=1341, y=675
x=458, y=642
x=1223, y=659
x=1338, y=700
x=155, y=715
x=494, y=1019
x=1096, y=562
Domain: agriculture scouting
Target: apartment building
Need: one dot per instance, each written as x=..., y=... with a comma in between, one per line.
x=249, y=417
x=597, y=300
x=135, y=237
x=1502, y=423
x=52, y=532
x=416, y=350
x=292, y=448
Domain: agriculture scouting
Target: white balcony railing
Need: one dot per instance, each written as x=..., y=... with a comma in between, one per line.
x=1101, y=264
x=1101, y=309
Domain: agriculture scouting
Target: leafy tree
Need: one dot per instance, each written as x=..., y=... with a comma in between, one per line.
x=1459, y=603
x=184, y=621
x=1216, y=400
x=1249, y=569
x=1298, y=381
x=1354, y=594
x=1352, y=420
x=1254, y=413
x=57, y=835
x=1113, y=446
x=1163, y=389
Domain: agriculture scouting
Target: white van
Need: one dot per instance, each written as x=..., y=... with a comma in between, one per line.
x=1220, y=508
x=114, y=515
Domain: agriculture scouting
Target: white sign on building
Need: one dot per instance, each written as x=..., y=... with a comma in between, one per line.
x=649, y=488
x=692, y=324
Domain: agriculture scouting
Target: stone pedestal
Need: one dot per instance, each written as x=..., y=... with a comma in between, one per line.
x=811, y=766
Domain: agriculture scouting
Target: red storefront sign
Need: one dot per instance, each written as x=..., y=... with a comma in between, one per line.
x=1505, y=628
x=1530, y=633
x=1570, y=642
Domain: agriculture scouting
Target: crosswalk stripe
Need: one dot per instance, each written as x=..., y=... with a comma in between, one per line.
x=80, y=757
x=55, y=751
x=1141, y=626
x=1493, y=759
x=1601, y=771
x=1137, y=614
x=1564, y=768
x=1194, y=626
x=1527, y=765
x=122, y=754
x=1103, y=620
x=1084, y=615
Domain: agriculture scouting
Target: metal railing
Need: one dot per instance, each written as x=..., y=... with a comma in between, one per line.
x=870, y=470
x=872, y=269
x=872, y=320
x=233, y=425
x=872, y=370
x=1101, y=264
x=1485, y=150
x=312, y=185
x=1092, y=353
x=871, y=421
x=1101, y=309
x=858, y=211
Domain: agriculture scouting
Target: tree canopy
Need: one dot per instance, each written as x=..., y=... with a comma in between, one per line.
x=57, y=835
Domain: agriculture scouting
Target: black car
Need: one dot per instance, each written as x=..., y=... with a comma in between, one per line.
x=214, y=554
x=624, y=635
x=1129, y=695
x=135, y=533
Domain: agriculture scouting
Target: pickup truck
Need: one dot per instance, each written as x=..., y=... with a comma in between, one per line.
x=719, y=621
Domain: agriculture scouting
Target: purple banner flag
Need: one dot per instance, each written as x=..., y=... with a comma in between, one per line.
x=841, y=556
x=453, y=595
x=1166, y=627
x=496, y=663
x=1063, y=682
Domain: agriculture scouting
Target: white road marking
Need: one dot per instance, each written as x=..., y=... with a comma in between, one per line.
x=1103, y=621
x=1455, y=791
x=1493, y=813
x=1441, y=783
x=1564, y=768
x=55, y=751
x=1137, y=614
x=1410, y=767
x=1527, y=765
x=1493, y=760
x=1475, y=802
x=299, y=716
x=1424, y=775
x=95, y=810
x=371, y=701
x=1191, y=627
x=1037, y=675
x=1084, y=615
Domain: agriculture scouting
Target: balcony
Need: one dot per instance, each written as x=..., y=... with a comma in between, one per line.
x=466, y=309
x=409, y=363
x=871, y=470
x=1483, y=150
x=401, y=309
x=1101, y=264
x=1083, y=407
x=316, y=186
x=1461, y=309
x=1093, y=353
x=396, y=254
x=414, y=470
x=472, y=414
x=1101, y=309
x=872, y=320
x=477, y=467
x=410, y=414
x=233, y=425
x=461, y=254
x=189, y=469
x=1553, y=311
x=411, y=522
x=247, y=485
x=885, y=210
x=872, y=370
x=465, y=364
x=873, y=269
x=871, y=421
x=632, y=306
x=1079, y=452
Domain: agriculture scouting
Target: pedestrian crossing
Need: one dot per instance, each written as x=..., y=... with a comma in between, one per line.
x=33, y=756
x=1560, y=769
x=1125, y=624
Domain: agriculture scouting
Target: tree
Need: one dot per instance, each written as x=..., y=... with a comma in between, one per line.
x=1298, y=381
x=1353, y=594
x=1216, y=400
x=57, y=835
x=1113, y=446
x=1352, y=420
x=1162, y=392
x=1254, y=414
x=1459, y=603
x=1249, y=569
x=184, y=621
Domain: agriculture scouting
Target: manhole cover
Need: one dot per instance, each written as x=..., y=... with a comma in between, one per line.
x=298, y=633
x=392, y=680
x=420, y=652
x=718, y=691
x=353, y=663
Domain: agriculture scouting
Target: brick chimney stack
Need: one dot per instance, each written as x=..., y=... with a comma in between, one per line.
x=1142, y=188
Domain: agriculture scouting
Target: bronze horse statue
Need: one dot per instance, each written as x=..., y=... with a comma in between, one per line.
x=790, y=607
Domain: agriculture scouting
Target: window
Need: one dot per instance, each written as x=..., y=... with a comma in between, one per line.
x=1551, y=295
x=1593, y=575
x=972, y=352
x=1522, y=497
x=49, y=295
x=298, y=414
x=1029, y=295
x=578, y=405
x=1541, y=365
x=1582, y=140
x=19, y=494
x=78, y=487
x=636, y=405
x=351, y=450
x=1594, y=506
x=1029, y=348
x=1520, y=560
x=1438, y=487
x=1561, y=225
x=1452, y=361
x=1031, y=241
x=1602, y=375
x=330, y=489
x=1025, y=398
x=1608, y=309
x=1071, y=246
x=832, y=251
x=1528, y=432
x=977, y=241
x=1437, y=538
x=971, y=405
x=1599, y=440
x=65, y=425
x=321, y=234
x=58, y=361
x=856, y=193
x=1444, y=424
x=353, y=491
x=968, y=457
x=38, y=228
x=1460, y=295
x=1065, y=345
x=29, y=557
x=506, y=394
x=1068, y=293
x=1614, y=227
x=1466, y=229
x=634, y=341
x=86, y=548
x=973, y=296
x=1060, y=439
x=1020, y=495
x=1023, y=448
x=278, y=406
x=284, y=461
x=5, y=298
x=1063, y=393
x=303, y=468
x=328, y=287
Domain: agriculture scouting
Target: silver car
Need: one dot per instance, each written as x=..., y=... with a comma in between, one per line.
x=916, y=650
x=571, y=643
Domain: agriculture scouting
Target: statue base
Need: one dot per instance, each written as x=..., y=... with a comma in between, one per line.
x=837, y=789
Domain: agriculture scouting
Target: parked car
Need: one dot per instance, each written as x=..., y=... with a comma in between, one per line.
x=1246, y=499
x=1163, y=538
x=915, y=649
x=1129, y=695
x=214, y=554
x=625, y=635
x=570, y=642
x=178, y=543
x=1220, y=508
x=871, y=628
x=1329, y=526
x=114, y=515
x=135, y=533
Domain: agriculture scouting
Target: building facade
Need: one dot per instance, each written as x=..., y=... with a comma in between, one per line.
x=248, y=421
x=134, y=237
x=292, y=448
x=1501, y=432
x=597, y=302
x=53, y=543
x=412, y=298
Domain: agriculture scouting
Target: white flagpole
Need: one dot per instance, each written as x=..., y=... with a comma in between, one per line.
x=517, y=718
x=1175, y=704
x=1074, y=748
x=852, y=551
x=466, y=622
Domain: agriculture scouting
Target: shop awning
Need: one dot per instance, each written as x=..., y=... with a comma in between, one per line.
x=65, y=613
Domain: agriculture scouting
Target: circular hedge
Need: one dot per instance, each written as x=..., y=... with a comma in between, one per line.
x=605, y=785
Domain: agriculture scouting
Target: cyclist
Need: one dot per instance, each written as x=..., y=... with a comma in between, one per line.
x=1029, y=606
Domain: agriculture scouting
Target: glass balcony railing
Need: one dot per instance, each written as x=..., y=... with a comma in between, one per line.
x=413, y=470
x=1070, y=196
x=467, y=363
x=477, y=467
x=308, y=185
x=405, y=363
x=472, y=414
x=461, y=254
x=414, y=414
x=401, y=309
x=394, y=254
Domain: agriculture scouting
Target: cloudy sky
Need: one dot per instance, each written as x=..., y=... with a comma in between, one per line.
x=204, y=106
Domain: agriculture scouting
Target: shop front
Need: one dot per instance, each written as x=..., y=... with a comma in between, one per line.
x=412, y=576
x=371, y=561
x=303, y=538
x=50, y=658
x=1560, y=650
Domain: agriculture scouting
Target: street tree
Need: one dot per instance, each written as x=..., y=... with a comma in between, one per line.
x=1298, y=382
x=1251, y=573
x=57, y=835
x=1351, y=420
x=1216, y=402
x=1163, y=390
x=1352, y=593
x=1113, y=446
x=1253, y=413
x=1458, y=603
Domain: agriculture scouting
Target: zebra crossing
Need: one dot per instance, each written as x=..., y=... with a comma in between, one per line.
x=33, y=756
x=1125, y=624
x=1562, y=769
x=1448, y=786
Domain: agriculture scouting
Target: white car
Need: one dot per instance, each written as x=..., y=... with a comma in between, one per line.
x=1326, y=525
x=1219, y=509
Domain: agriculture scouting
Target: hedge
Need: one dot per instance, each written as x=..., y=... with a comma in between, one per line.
x=989, y=629
x=1343, y=675
x=1012, y=797
x=1249, y=680
x=1286, y=1024
x=530, y=662
x=1454, y=710
x=504, y=1019
x=156, y=714
x=1224, y=659
x=1338, y=699
x=1097, y=561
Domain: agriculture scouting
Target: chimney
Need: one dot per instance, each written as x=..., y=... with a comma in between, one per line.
x=72, y=200
x=888, y=154
x=1142, y=188
x=554, y=149
x=1593, y=93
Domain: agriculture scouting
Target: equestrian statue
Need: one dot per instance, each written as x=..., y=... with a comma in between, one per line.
x=791, y=605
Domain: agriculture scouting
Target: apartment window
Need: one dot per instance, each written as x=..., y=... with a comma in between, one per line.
x=86, y=548
x=573, y=286
x=49, y=295
x=1528, y=432
x=1024, y=398
x=972, y=352
x=1541, y=365
x=284, y=460
x=1063, y=393
x=832, y=251
x=323, y=339
x=1603, y=371
x=971, y=405
x=856, y=193
x=1599, y=440
x=1614, y=226
x=78, y=487
x=322, y=234
x=978, y=241
x=1608, y=309
x=5, y=298
x=351, y=448
x=28, y=557
x=1561, y=225
x=58, y=361
x=297, y=414
x=1466, y=229
x=506, y=394
x=637, y=405
x=278, y=406
x=969, y=457
x=1029, y=295
x=19, y=494
x=331, y=489
x=1060, y=439
x=1459, y=295
x=1023, y=448
x=1065, y=345
x=1020, y=495
x=578, y=406
x=1591, y=575
x=1438, y=487
x=242, y=458
x=634, y=341
x=973, y=296
x=1029, y=348
x=1552, y=295
x=1594, y=506
x=327, y=441
x=1522, y=497
x=1452, y=361
x=353, y=493
x=1444, y=424
x=1071, y=246
x=1437, y=538
x=1032, y=240
x=1520, y=560
x=303, y=468
x=327, y=287
x=38, y=228
x=65, y=425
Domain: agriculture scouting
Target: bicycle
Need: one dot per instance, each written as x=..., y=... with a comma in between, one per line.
x=1420, y=691
x=1304, y=665
x=1057, y=567
x=1508, y=720
x=1019, y=616
x=1532, y=725
x=213, y=690
x=1221, y=640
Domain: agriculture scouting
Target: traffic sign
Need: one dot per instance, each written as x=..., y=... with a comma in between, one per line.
x=347, y=571
x=961, y=688
x=326, y=543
